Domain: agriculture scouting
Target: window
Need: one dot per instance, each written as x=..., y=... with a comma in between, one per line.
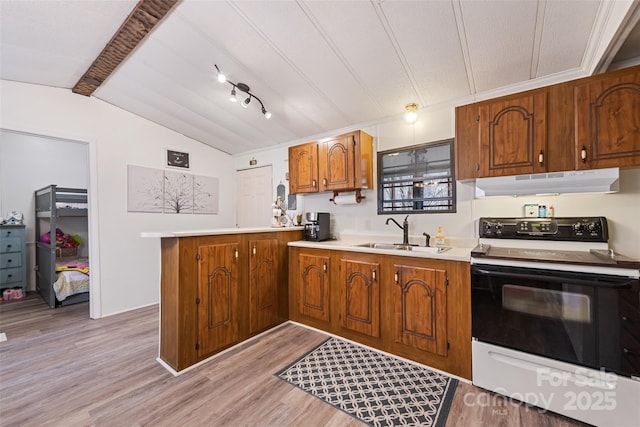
x=417, y=179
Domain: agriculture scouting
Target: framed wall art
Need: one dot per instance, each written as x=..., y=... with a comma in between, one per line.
x=177, y=159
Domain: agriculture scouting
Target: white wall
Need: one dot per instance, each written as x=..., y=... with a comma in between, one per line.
x=129, y=266
x=433, y=125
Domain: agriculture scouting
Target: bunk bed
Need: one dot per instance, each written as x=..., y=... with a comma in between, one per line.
x=60, y=279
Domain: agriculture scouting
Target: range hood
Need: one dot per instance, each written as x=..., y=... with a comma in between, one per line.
x=586, y=181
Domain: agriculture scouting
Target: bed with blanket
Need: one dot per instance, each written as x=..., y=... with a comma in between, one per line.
x=72, y=278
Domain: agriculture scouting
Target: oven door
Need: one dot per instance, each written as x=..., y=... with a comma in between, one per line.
x=568, y=316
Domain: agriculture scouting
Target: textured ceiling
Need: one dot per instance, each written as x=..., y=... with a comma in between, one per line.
x=318, y=66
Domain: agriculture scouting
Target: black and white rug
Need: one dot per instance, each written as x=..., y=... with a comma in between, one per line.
x=375, y=388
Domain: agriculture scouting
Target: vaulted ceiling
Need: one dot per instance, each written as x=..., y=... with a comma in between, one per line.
x=318, y=66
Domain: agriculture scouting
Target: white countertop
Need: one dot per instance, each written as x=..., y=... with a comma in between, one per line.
x=216, y=231
x=453, y=254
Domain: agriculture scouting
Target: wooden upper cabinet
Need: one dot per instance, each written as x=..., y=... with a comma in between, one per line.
x=341, y=163
x=513, y=135
x=303, y=168
x=467, y=143
x=263, y=284
x=218, y=297
x=337, y=163
x=420, y=307
x=607, y=120
x=360, y=297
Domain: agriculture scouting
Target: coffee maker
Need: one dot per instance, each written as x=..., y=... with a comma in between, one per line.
x=317, y=227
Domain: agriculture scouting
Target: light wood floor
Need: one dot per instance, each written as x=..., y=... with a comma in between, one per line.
x=60, y=368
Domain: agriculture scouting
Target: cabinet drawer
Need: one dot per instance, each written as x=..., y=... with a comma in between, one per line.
x=12, y=244
x=13, y=259
x=10, y=275
x=16, y=232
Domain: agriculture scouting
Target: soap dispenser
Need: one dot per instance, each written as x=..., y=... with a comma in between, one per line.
x=440, y=237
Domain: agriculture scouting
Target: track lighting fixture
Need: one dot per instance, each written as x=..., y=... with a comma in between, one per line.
x=242, y=87
x=411, y=115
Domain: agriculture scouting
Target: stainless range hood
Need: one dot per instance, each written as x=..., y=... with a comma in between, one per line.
x=586, y=181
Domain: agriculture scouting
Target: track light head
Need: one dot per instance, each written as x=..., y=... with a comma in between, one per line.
x=233, y=98
x=221, y=77
x=246, y=102
x=266, y=113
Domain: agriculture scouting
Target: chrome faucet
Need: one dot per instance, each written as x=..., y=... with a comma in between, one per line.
x=404, y=227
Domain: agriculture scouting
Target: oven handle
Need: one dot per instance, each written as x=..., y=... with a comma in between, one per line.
x=538, y=277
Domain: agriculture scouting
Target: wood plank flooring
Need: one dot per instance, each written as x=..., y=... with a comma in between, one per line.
x=60, y=368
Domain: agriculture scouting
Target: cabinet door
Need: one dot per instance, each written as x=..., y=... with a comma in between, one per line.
x=303, y=168
x=607, y=112
x=467, y=145
x=337, y=163
x=314, y=286
x=263, y=284
x=360, y=297
x=218, y=297
x=420, y=305
x=513, y=135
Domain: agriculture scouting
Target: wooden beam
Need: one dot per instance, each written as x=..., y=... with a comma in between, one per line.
x=133, y=30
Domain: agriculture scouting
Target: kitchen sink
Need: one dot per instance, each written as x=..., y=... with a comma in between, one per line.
x=400, y=246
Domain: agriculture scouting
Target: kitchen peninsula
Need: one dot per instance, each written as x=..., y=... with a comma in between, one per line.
x=221, y=287
x=218, y=288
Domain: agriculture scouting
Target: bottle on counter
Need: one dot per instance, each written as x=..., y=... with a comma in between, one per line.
x=550, y=212
x=440, y=237
x=542, y=211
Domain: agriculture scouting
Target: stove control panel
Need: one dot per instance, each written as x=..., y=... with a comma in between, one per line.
x=579, y=229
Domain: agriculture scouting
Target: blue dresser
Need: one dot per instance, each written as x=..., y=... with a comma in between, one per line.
x=13, y=258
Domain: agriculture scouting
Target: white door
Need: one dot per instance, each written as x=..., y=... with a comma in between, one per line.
x=254, y=197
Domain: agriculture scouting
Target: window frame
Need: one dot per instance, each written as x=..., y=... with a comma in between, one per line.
x=380, y=170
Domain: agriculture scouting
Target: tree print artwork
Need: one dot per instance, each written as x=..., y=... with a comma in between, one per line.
x=163, y=191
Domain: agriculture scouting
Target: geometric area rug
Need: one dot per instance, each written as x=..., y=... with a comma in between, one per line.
x=377, y=389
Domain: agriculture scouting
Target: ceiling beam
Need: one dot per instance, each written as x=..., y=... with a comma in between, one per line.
x=133, y=30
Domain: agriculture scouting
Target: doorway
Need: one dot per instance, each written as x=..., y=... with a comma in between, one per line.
x=254, y=197
x=29, y=162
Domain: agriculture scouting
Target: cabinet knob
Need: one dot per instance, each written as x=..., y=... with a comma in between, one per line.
x=583, y=154
x=313, y=183
x=254, y=250
x=397, y=277
x=373, y=275
x=541, y=158
x=324, y=267
x=9, y=260
x=236, y=254
x=324, y=181
x=8, y=246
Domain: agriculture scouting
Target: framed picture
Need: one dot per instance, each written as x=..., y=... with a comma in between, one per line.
x=177, y=159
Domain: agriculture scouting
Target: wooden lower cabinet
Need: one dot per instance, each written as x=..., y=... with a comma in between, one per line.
x=217, y=300
x=314, y=286
x=417, y=308
x=263, y=284
x=359, y=296
x=217, y=291
x=420, y=308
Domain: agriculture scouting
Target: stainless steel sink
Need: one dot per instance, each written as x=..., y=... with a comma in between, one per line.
x=374, y=245
x=399, y=246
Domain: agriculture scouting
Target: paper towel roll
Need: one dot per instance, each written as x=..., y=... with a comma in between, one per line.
x=345, y=199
